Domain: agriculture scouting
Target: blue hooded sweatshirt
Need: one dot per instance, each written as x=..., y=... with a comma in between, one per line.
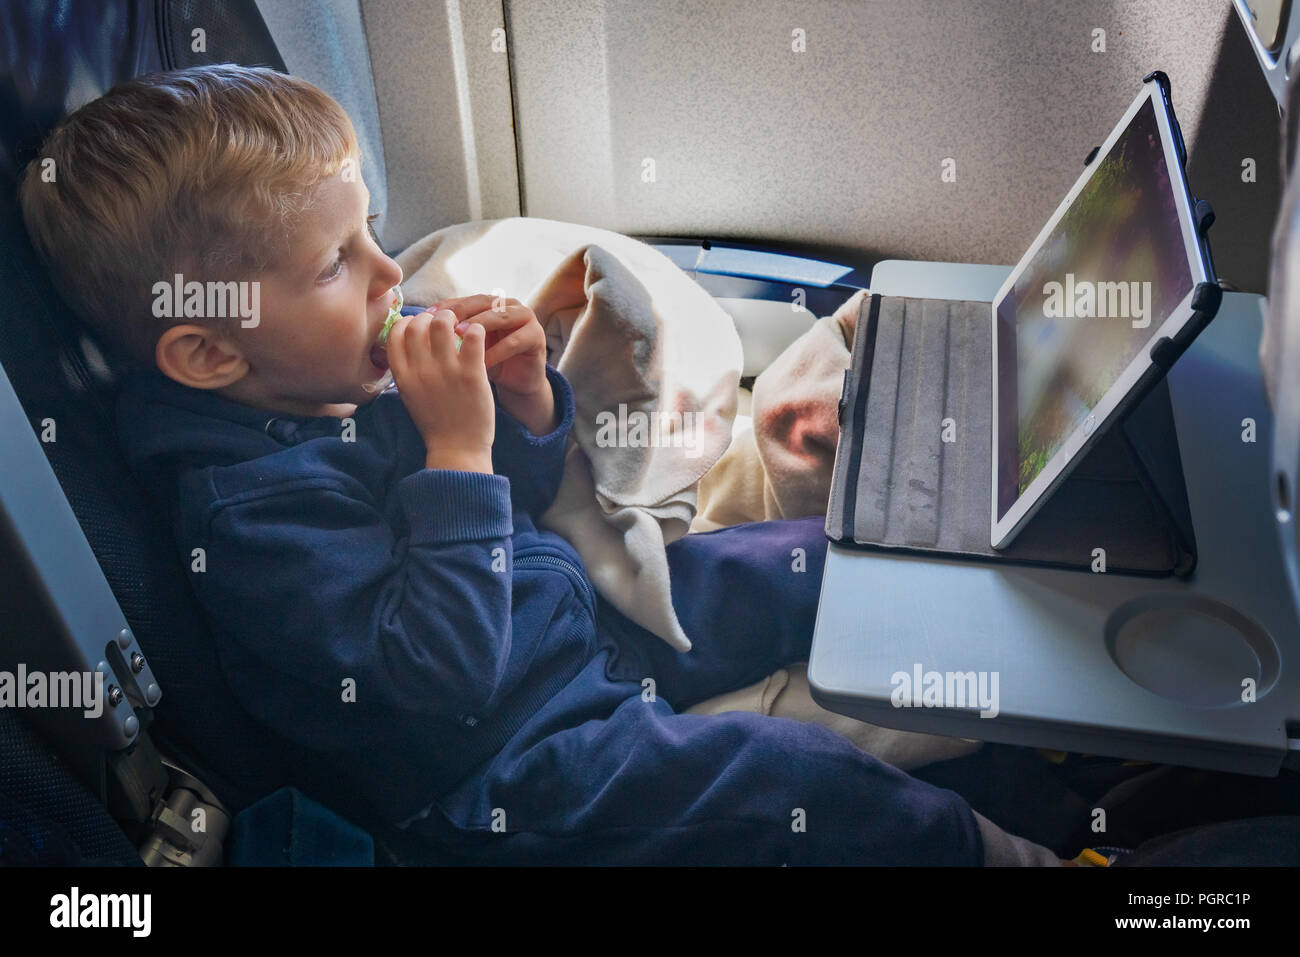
x=394, y=625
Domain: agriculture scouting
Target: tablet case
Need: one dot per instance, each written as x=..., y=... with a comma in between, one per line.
x=913, y=470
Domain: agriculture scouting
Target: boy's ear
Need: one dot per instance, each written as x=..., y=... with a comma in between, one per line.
x=197, y=357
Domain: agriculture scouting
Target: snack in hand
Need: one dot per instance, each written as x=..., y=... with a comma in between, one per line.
x=394, y=313
x=379, y=353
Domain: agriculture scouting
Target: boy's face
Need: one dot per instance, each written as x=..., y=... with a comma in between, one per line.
x=322, y=306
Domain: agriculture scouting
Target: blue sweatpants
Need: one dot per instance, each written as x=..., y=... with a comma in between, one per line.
x=610, y=772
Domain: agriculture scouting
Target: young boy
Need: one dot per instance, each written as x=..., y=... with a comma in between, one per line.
x=382, y=597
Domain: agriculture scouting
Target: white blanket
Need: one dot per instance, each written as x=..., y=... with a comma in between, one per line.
x=654, y=363
x=624, y=324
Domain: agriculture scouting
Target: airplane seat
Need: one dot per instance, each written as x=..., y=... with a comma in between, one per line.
x=52, y=63
x=47, y=815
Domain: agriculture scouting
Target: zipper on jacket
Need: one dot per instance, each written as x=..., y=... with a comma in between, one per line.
x=574, y=572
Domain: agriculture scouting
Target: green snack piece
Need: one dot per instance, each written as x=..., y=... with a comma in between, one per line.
x=393, y=316
x=394, y=313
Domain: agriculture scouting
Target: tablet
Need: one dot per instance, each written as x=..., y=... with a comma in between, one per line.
x=1112, y=272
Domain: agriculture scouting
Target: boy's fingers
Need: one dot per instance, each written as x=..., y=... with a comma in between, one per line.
x=442, y=337
x=497, y=321
x=422, y=353
x=472, y=345
x=395, y=348
x=425, y=345
x=421, y=345
x=522, y=340
x=467, y=306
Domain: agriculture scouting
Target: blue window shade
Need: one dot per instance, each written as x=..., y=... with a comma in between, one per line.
x=764, y=265
x=683, y=255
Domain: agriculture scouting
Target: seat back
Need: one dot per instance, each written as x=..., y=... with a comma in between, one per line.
x=54, y=56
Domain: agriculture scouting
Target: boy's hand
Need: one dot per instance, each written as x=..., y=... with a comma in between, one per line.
x=446, y=392
x=515, y=355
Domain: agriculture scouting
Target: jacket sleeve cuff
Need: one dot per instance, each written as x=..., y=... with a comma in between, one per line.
x=513, y=437
x=446, y=505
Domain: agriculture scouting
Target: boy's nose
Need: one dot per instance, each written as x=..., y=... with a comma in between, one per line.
x=389, y=274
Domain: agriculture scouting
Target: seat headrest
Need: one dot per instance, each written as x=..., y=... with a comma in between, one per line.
x=56, y=55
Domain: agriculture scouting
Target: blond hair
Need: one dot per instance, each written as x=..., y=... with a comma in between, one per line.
x=198, y=171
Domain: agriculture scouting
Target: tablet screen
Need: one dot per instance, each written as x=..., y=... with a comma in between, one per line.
x=1101, y=283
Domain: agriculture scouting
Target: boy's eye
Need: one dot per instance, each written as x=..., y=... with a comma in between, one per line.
x=335, y=268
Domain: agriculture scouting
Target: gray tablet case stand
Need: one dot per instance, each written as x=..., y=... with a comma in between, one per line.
x=913, y=467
